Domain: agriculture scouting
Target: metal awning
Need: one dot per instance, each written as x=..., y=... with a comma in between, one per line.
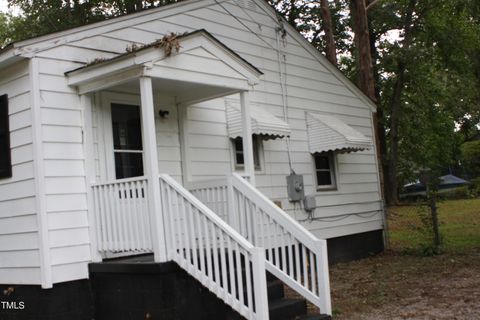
x=327, y=133
x=264, y=124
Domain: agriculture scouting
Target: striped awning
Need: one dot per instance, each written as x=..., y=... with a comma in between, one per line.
x=327, y=133
x=264, y=124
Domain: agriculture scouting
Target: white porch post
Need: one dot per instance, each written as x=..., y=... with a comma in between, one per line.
x=151, y=168
x=86, y=103
x=247, y=137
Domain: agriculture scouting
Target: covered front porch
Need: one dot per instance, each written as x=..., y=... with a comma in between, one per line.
x=223, y=232
x=133, y=95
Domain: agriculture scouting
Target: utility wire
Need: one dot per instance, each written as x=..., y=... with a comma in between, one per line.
x=363, y=215
x=280, y=67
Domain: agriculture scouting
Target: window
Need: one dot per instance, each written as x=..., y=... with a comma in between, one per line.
x=5, y=156
x=325, y=171
x=127, y=141
x=238, y=149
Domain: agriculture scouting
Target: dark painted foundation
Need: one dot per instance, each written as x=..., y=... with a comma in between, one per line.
x=71, y=300
x=137, y=288
x=146, y=290
x=355, y=246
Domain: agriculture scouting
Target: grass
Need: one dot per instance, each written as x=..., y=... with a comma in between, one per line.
x=459, y=226
x=404, y=282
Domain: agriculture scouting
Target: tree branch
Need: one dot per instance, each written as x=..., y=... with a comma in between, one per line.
x=371, y=4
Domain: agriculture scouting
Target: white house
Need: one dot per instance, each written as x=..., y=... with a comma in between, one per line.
x=104, y=128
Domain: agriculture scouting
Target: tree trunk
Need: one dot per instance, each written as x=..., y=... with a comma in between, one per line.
x=362, y=40
x=395, y=107
x=327, y=26
x=378, y=117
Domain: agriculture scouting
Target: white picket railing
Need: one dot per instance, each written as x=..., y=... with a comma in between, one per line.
x=293, y=254
x=213, y=252
x=121, y=216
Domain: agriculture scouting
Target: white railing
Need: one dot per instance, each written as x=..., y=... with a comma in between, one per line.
x=121, y=215
x=292, y=253
x=213, y=252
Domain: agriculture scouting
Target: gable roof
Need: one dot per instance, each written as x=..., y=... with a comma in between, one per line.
x=28, y=48
x=179, y=37
x=200, y=60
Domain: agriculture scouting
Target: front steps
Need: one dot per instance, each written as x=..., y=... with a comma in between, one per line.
x=137, y=288
x=282, y=307
x=286, y=308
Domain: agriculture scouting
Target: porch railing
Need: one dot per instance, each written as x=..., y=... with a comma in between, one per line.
x=122, y=215
x=293, y=254
x=213, y=252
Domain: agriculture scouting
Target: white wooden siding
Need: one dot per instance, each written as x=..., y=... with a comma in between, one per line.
x=168, y=138
x=65, y=183
x=19, y=248
x=310, y=86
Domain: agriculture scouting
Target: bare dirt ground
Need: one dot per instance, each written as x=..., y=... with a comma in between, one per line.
x=396, y=286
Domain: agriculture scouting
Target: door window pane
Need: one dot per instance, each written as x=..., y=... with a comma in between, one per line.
x=128, y=165
x=127, y=134
x=127, y=141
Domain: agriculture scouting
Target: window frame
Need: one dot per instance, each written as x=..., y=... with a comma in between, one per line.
x=5, y=172
x=257, y=149
x=332, y=169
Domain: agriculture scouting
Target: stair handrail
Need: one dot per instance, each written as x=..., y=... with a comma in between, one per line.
x=246, y=207
x=317, y=289
x=195, y=234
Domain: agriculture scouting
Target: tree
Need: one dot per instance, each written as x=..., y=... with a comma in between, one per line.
x=42, y=17
x=471, y=157
x=395, y=103
x=327, y=27
x=366, y=80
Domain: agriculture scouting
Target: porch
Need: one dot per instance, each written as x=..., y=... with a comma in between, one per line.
x=223, y=232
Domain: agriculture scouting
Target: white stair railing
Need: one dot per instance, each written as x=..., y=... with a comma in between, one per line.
x=121, y=215
x=213, y=252
x=292, y=253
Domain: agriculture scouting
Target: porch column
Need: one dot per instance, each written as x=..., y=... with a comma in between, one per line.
x=247, y=137
x=86, y=103
x=151, y=167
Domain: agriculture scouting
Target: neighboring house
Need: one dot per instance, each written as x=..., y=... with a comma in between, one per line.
x=447, y=183
x=99, y=145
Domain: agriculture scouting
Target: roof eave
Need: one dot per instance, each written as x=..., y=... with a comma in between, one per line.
x=10, y=55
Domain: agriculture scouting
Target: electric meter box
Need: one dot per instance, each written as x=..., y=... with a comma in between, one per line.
x=295, y=187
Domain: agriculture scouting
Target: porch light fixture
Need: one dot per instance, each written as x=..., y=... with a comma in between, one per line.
x=163, y=113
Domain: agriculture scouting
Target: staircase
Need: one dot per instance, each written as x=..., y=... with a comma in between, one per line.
x=225, y=234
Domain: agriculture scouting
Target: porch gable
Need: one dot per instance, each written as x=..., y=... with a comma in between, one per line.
x=191, y=65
